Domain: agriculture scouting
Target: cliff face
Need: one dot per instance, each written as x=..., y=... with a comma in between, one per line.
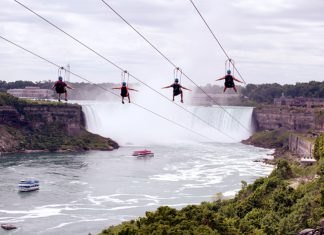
x=300, y=146
x=297, y=119
x=51, y=126
x=68, y=117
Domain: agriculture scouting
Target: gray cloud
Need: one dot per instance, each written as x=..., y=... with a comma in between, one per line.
x=272, y=40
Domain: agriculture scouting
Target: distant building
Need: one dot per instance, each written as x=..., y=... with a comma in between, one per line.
x=299, y=102
x=32, y=93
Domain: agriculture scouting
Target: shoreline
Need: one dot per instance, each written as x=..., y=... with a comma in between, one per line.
x=276, y=140
x=32, y=151
x=287, y=201
x=28, y=126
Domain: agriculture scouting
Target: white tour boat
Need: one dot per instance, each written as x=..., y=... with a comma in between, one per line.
x=28, y=185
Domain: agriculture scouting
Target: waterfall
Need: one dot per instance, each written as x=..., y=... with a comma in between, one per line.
x=128, y=124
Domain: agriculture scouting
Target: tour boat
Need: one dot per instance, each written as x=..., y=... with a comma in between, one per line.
x=143, y=153
x=8, y=226
x=28, y=185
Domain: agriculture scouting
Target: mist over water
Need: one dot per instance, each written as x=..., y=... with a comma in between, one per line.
x=127, y=124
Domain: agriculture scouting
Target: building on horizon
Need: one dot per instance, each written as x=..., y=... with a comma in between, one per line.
x=31, y=92
x=299, y=102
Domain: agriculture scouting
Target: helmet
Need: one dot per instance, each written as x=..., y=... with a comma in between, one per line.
x=228, y=71
x=176, y=80
x=124, y=83
x=60, y=78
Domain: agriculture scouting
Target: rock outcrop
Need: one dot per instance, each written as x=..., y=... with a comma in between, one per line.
x=9, y=115
x=45, y=126
x=68, y=117
x=303, y=124
x=301, y=146
x=296, y=119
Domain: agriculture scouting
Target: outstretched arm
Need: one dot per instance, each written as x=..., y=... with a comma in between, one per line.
x=69, y=87
x=131, y=89
x=237, y=80
x=116, y=88
x=220, y=78
x=167, y=87
x=185, y=88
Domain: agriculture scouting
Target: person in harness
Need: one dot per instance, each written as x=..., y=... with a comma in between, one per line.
x=229, y=81
x=60, y=88
x=124, y=91
x=177, y=89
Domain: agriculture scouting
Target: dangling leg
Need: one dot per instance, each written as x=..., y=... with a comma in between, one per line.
x=224, y=89
x=234, y=88
x=173, y=97
x=181, y=97
x=128, y=98
x=123, y=99
x=65, y=94
x=59, y=97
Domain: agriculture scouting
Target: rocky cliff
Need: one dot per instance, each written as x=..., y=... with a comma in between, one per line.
x=36, y=116
x=296, y=119
x=303, y=125
x=45, y=126
x=301, y=146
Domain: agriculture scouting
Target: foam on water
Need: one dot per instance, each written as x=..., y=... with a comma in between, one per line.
x=83, y=193
x=38, y=212
x=114, y=187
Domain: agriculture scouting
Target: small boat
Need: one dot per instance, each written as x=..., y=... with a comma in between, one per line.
x=143, y=153
x=8, y=226
x=28, y=185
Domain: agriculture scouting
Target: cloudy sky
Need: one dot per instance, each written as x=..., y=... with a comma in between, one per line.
x=271, y=40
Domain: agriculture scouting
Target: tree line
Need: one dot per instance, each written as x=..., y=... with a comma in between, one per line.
x=4, y=86
x=262, y=93
x=82, y=91
x=265, y=93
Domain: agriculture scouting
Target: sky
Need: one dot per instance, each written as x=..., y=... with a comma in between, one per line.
x=271, y=41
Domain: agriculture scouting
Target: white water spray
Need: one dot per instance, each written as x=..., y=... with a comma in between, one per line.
x=127, y=124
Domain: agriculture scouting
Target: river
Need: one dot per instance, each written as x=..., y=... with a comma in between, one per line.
x=86, y=192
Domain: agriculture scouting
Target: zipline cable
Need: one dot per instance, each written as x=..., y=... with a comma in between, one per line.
x=172, y=63
x=218, y=42
x=138, y=105
x=120, y=68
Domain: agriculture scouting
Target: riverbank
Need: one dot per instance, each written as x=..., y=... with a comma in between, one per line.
x=289, y=200
x=275, y=139
x=85, y=192
x=50, y=139
x=41, y=126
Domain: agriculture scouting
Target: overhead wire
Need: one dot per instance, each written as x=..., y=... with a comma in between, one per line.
x=171, y=62
x=218, y=42
x=81, y=77
x=120, y=68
